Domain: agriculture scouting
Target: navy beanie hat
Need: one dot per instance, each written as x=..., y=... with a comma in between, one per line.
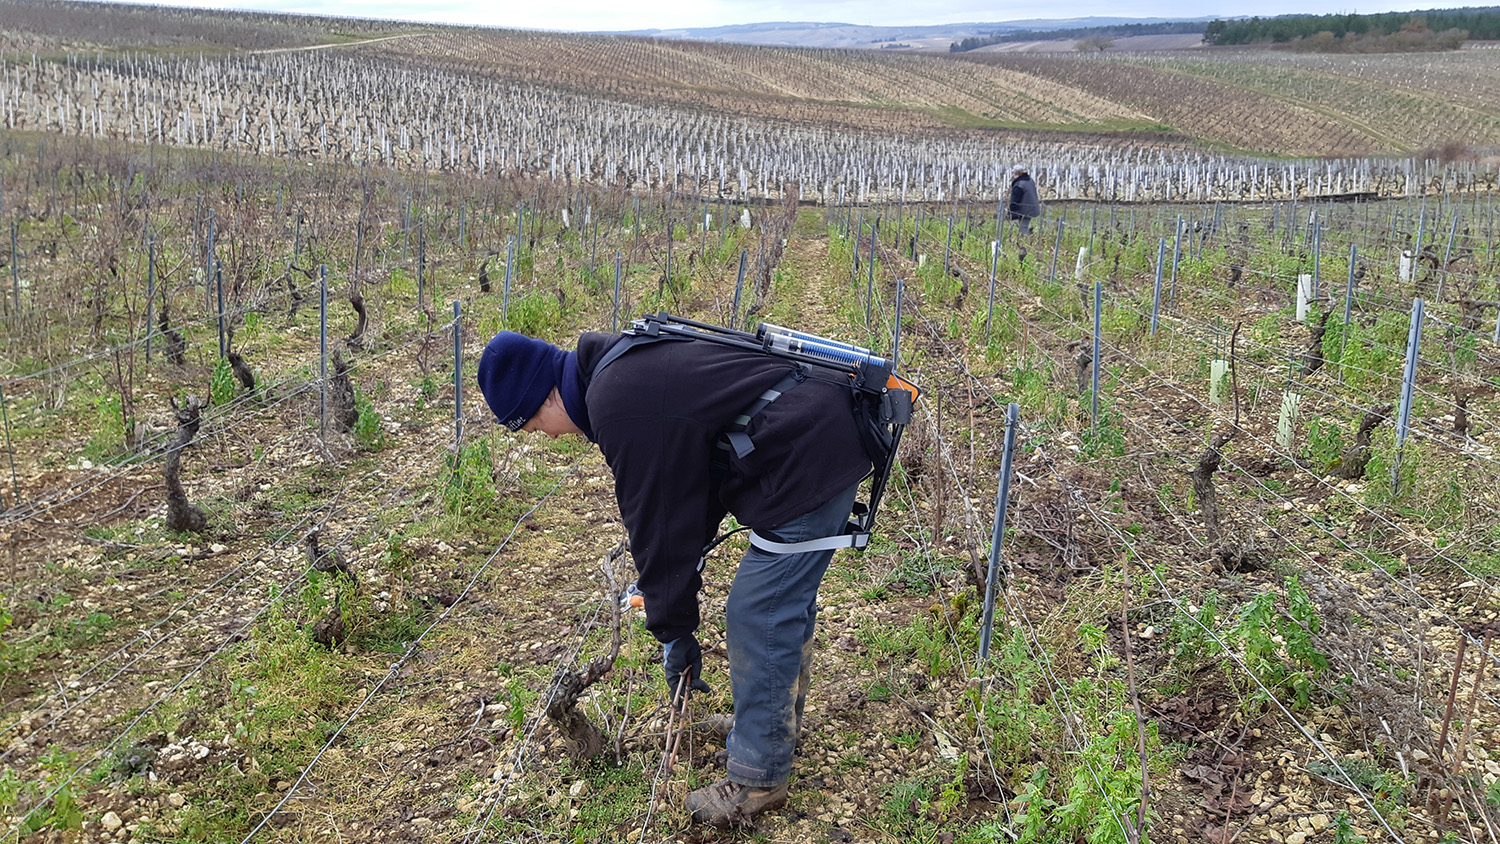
x=516, y=374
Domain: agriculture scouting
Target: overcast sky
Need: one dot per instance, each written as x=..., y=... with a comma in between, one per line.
x=594, y=15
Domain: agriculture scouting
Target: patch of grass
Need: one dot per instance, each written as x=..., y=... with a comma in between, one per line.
x=469, y=484
x=609, y=803
x=107, y=440
x=388, y=632
x=52, y=632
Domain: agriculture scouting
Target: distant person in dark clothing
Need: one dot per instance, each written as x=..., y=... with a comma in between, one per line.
x=1025, y=205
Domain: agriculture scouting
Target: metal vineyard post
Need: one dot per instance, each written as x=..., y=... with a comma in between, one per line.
x=15, y=268
x=948, y=246
x=208, y=265
x=990, y=312
x=1447, y=253
x=1408, y=383
x=223, y=337
x=1161, y=256
x=421, y=265
x=1098, y=303
x=1056, y=248
x=614, y=317
x=997, y=536
x=14, y=485
x=150, y=291
x=896, y=330
x=1317, y=251
x=458, y=386
x=323, y=350
x=1348, y=301
x=739, y=286
x=510, y=260
x=1176, y=257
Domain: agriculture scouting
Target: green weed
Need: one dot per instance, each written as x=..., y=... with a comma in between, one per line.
x=1343, y=830
x=369, y=434
x=221, y=384
x=1278, y=647
x=469, y=485
x=108, y=439
x=1324, y=443
x=1104, y=438
x=1192, y=644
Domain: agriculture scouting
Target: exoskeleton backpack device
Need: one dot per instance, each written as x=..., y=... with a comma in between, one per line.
x=883, y=403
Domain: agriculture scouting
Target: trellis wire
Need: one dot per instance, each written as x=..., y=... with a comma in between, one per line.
x=333, y=505
x=149, y=452
x=1057, y=691
x=408, y=653
x=1438, y=552
x=234, y=636
x=1302, y=729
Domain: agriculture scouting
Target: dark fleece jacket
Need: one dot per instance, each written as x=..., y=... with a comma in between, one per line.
x=1024, y=201
x=657, y=412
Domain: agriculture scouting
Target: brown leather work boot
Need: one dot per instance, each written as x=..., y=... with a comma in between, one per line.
x=727, y=803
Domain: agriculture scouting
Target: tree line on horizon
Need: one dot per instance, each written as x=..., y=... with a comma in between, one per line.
x=1430, y=29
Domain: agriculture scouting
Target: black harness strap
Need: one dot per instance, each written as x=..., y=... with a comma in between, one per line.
x=735, y=436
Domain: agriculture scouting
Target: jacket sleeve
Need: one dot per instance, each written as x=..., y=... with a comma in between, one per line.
x=665, y=493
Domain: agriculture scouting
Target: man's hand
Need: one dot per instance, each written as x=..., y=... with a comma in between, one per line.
x=681, y=655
